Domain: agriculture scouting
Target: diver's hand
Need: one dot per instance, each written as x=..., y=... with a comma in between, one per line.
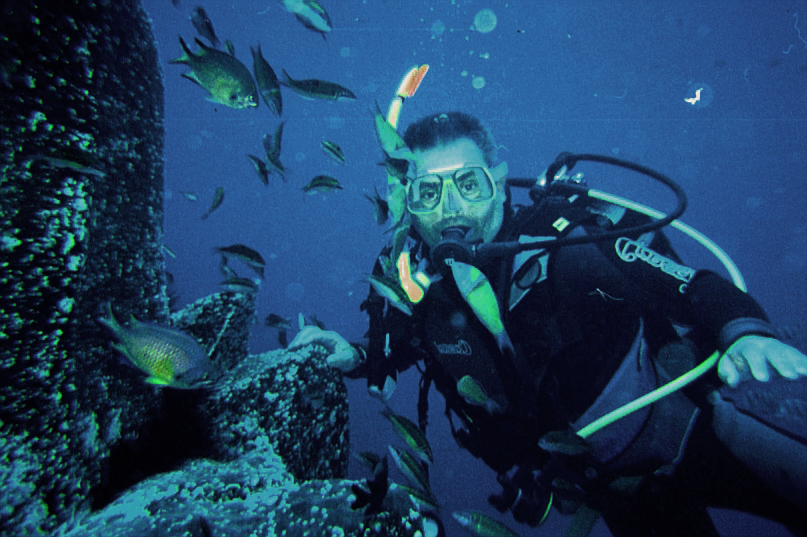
x=750, y=355
x=341, y=354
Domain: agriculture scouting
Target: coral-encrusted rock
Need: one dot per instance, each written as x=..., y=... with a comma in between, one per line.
x=250, y=496
x=81, y=130
x=293, y=398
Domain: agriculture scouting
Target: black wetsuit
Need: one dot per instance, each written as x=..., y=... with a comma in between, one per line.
x=573, y=314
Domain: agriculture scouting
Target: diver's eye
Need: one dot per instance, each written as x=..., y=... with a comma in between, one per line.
x=468, y=185
x=428, y=193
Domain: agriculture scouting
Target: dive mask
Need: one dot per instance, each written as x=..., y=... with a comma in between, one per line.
x=424, y=193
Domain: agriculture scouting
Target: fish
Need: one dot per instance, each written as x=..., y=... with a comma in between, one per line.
x=482, y=525
x=241, y=285
x=322, y=183
x=229, y=47
x=273, y=320
x=169, y=251
x=218, y=199
x=380, y=207
x=260, y=169
x=411, y=467
x=169, y=357
x=411, y=434
x=190, y=196
x=227, y=80
x=421, y=500
x=369, y=459
x=309, y=320
x=282, y=325
x=390, y=290
x=474, y=394
x=333, y=150
x=478, y=293
x=76, y=161
x=313, y=88
x=225, y=269
x=203, y=25
x=372, y=497
x=390, y=141
x=564, y=442
x=271, y=144
x=268, y=86
x=244, y=254
x=310, y=14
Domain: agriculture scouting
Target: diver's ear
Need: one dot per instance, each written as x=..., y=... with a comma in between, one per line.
x=499, y=173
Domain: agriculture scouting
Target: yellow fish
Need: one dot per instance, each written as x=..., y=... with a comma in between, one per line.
x=168, y=356
x=227, y=79
x=478, y=293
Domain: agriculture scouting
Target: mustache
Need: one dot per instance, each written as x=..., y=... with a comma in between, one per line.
x=456, y=221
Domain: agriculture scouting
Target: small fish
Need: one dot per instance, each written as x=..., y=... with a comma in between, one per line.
x=388, y=138
x=309, y=320
x=322, y=183
x=564, y=442
x=390, y=290
x=273, y=320
x=482, y=525
x=240, y=285
x=271, y=144
x=283, y=337
x=474, y=394
x=227, y=80
x=372, y=497
x=168, y=356
x=369, y=459
x=218, y=199
x=310, y=14
x=380, y=207
x=169, y=251
x=203, y=25
x=190, y=196
x=70, y=164
x=244, y=254
x=421, y=500
x=229, y=47
x=265, y=76
x=260, y=169
x=318, y=89
x=333, y=151
x=225, y=269
x=411, y=467
x=478, y=293
x=410, y=433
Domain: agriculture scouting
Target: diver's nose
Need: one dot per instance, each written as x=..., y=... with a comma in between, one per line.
x=452, y=203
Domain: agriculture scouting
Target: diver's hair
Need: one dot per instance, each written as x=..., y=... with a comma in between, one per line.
x=446, y=127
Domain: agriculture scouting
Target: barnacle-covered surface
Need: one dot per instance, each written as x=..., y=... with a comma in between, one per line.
x=293, y=398
x=221, y=322
x=81, y=128
x=252, y=495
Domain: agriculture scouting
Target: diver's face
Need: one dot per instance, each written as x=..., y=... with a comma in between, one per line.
x=484, y=218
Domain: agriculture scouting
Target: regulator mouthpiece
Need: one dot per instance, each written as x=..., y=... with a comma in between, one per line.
x=453, y=246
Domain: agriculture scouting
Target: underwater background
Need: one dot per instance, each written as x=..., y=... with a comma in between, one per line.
x=580, y=76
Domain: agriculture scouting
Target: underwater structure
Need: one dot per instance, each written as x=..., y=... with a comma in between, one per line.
x=85, y=445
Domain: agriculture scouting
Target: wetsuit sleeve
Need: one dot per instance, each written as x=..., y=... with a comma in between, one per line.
x=691, y=297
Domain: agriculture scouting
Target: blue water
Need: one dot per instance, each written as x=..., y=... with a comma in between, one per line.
x=601, y=77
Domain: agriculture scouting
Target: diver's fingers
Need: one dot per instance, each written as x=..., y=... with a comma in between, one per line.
x=727, y=371
x=308, y=335
x=757, y=363
x=788, y=361
x=344, y=360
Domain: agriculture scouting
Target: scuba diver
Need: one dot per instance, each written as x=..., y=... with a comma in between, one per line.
x=536, y=321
